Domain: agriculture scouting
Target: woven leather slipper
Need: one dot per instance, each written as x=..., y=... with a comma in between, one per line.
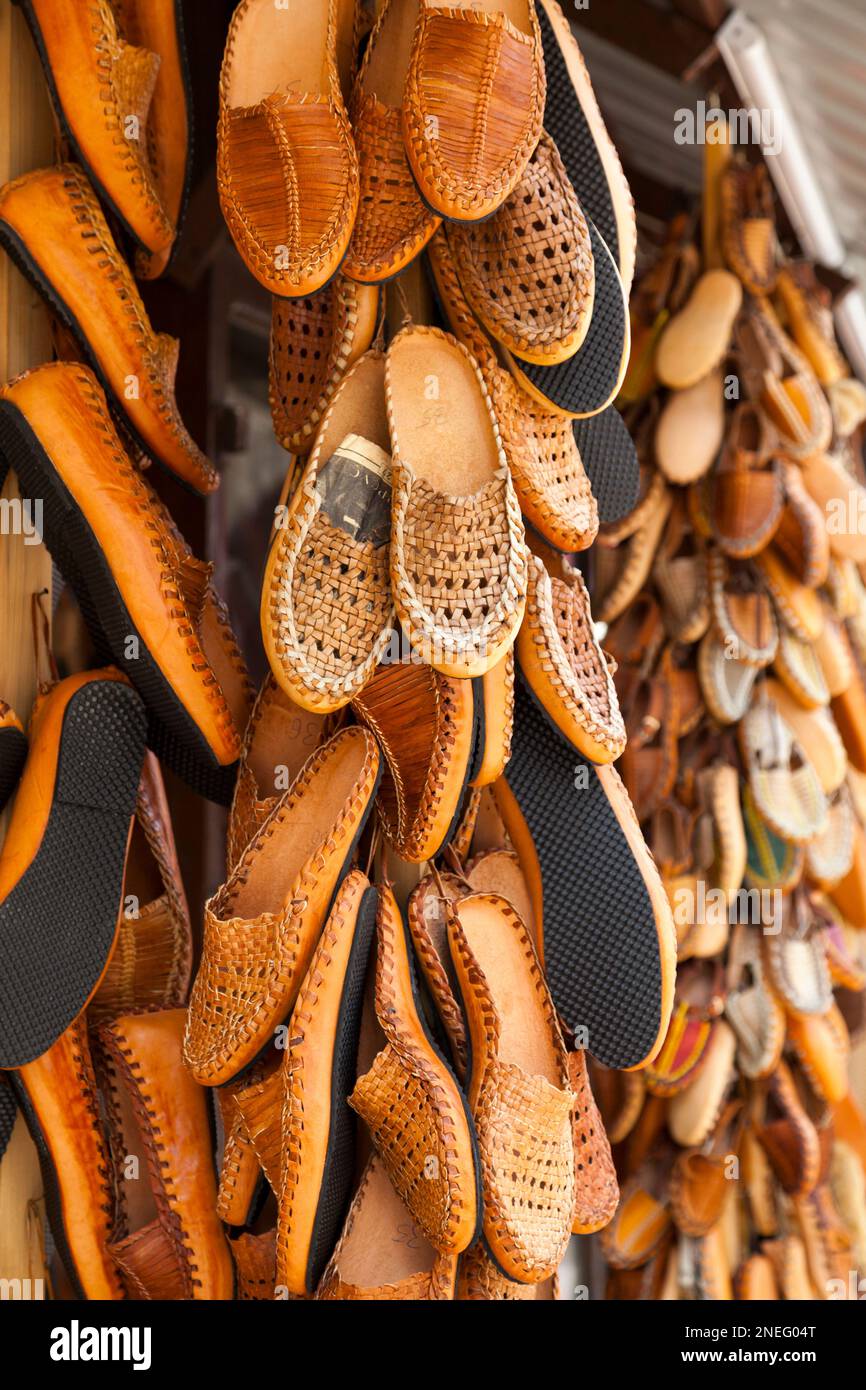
x=642, y=1220
x=262, y=925
x=317, y=1126
x=809, y=316
x=96, y=81
x=409, y=1099
x=822, y=1047
x=833, y=654
x=749, y=226
x=167, y=1240
x=796, y=961
x=13, y=752
x=590, y=379
x=61, y=866
x=374, y=1262
x=476, y=80
x=326, y=611
x=771, y=862
x=699, y=1177
x=816, y=733
x=151, y=962
x=622, y=572
x=837, y=494
x=700, y=1000
x=680, y=574
x=254, y=1259
x=610, y=461
x=798, y=606
x=798, y=666
x=849, y=709
x=752, y=1006
x=552, y=486
x=742, y=612
x=784, y=784
x=609, y=951
x=279, y=739
x=458, y=559
x=149, y=604
x=393, y=224
x=428, y=727
x=801, y=537
x=747, y=491
x=479, y=1281
x=564, y=666
x=58, y=1097
x=573, y=119
x=314, y=341
x=778, y=375
x=726, y=683
x=830, y=856
x=696, y=339
x=53, y=229
x=518, y=1088
x=287, y=168
x=787, y=1134
x=527, y=271
x=496, y=722
x=690, y=430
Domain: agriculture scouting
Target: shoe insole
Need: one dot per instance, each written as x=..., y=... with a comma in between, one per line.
x=280, y=857
x=286, y=736
x=515, y=10
x=499, y=872
x=610, y=461
x=589, y=380
x=602, y=952
x=391, y=49
x=383, y=1245
x=441, y=424
x=566, y=123
x=525, y=1039
x=285, y=50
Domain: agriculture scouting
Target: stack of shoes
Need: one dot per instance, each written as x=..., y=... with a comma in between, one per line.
x=735, y=602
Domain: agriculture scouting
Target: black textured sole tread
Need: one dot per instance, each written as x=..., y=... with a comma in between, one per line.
x=610, y=460
x=172, y=733
x=601, y=950
x=57, y=925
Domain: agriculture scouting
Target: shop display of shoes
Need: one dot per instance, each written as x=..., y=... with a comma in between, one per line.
x=543, y=874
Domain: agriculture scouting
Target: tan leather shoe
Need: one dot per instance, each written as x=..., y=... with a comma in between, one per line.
x=151, y=962
x=262, y=925
x=167, y=1240
x=518, y=1087
x=315, y=1123
x=58, y=1097
x=287, y=169
x=409, y=1099
x=279, y=738
x=476, y=81
x=147, y=600
x=393, y=225
x=157, y=26
x=53, y=228
x=102, y=87
x=374, y=1262
x=314, y=342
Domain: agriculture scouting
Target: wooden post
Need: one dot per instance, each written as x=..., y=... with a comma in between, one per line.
x=26, y=142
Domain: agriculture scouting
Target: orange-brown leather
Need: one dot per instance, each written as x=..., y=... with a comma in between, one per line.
x=165, y=590
x=55, y=213
x=143, y=1057
x=61, y=1089
x=254, y=1257
x=36, y=788
x=304, y=1114
x=240, y=1171
x=498, y=690
x=101, y=81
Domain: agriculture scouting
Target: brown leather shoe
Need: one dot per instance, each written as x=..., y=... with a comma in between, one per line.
x=476, y=80
x=157, y=25
x=286, y=163
x=102, y=88
x=53, y=228
x=145, y=597
x=167, y=1240
x=262, y=925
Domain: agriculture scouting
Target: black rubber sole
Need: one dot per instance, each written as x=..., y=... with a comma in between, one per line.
x=337, y=1180
x=565, y=122
x=8, y=1113
x=50, y=1186
x=33, y=25
x=601, y=950
x=610, y=459
x=20, y=257
x=13, y=756
x=172, y=732
x=57, y=925
x=587, y=382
